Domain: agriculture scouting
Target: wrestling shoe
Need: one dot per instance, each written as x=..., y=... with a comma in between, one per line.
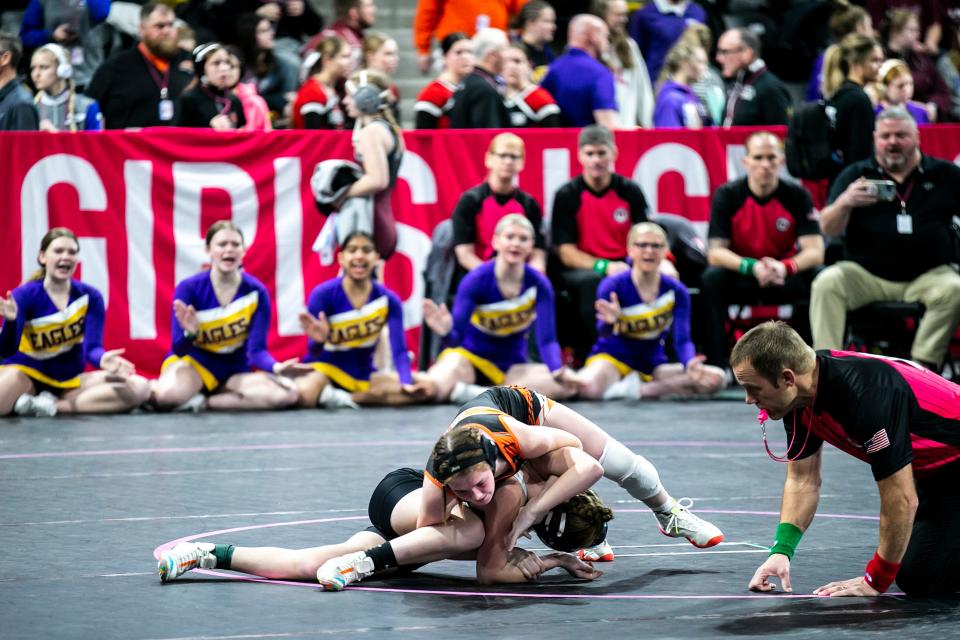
x=602, y=552
x=42, y=405
x=680, y=523
x=195, y=404
x=184, y=557
x=337, y=573
x=332, y=397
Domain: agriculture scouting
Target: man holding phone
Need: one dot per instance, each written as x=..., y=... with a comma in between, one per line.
x=899, y=246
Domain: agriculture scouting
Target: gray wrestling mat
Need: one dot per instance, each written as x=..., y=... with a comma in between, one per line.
x=85, y=501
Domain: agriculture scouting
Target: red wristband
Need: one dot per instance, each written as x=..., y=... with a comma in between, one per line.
x=880, y=573
x=668, y=255
x=791, y=266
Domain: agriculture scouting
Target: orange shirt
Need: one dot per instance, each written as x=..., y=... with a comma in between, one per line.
x=439, y=18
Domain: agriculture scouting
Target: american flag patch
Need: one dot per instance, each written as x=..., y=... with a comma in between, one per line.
x=877, y=442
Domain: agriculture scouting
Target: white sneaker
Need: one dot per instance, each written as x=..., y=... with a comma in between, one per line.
x=464, y=392
x=602, y=552
x=42, y=405
x=680, y=523
x=337, y=573
x=184, y=557
x=332, y=397
x=196, y=404
x=628, y=387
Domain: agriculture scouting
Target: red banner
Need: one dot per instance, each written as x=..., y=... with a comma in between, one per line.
x=140, y=203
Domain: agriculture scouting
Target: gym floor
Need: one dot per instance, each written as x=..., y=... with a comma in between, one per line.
x=85, y=504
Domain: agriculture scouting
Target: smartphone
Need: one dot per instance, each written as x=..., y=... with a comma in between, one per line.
x=883, y=189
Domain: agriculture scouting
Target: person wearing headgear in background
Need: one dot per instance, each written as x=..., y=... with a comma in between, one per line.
x=53, y=329
x=211, y=103
x=59, y=106
x=219, y=326
x=378, y=149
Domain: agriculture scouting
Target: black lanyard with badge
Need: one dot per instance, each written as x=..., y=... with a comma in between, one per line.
x=904, y=219
x=165, y=108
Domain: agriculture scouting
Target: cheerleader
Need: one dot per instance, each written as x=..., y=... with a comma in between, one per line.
x=637, y=311
x=52, y=328
x=220, y=323
x=344, y=320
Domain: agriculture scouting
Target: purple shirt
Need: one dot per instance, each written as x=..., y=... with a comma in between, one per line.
x=656, y=32
x=915, y=109
x=675, y=104
x=581, y=85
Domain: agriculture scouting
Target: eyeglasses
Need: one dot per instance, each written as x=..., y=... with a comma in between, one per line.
x=507, y=156
x=649, y=245
x=729, y=52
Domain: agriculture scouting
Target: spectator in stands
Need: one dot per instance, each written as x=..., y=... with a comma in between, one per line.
x=758, y=97
x=17, y=112
x=210, y=102
x=592, y=215
x=255, y=108
x=847, y=68
x=709, y=86
x=59, y=106
x=537, y=24
x=351, y=18
x=846, y=19
x=479, y=104
x=931, y=14
x=378, y=147
x=76, y=26
x=658, y=25
x=317, y=105
x=528, y=104
x=949, y=67
x=480, y=209
x=677, y=105
x=895, y=89
x=138, y=87
x=896, y=249
x=579, y=82
x=764, y=243
x=634, y=93
x=275, y=81
x=903, y=42
x=381, y=53
x=436, y=19
x=432, y=109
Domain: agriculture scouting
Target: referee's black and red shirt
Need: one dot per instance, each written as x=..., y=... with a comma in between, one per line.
x=479, y=210
x=761, y=227
x=597, y=222
x=885, y=411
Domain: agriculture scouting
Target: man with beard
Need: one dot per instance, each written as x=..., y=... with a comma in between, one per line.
x=757, y=97
x=138, y=87
x=899, y=240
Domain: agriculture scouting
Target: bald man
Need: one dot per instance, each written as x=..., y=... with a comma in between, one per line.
x=582, y=85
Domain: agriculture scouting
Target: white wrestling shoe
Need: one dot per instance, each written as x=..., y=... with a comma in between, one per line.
x=464, y=392
x=42, y=405
x=196, y=404
x=337, y=573
x=627, y=388
x=680, y=523
x=184, y=557
x=332, y=398
x=602, y=552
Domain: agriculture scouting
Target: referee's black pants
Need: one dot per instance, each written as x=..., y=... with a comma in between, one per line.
x=931, y=566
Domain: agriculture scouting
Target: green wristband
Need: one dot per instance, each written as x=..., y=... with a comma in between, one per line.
x=746, y=266
x=600, y=266
x=787, y=539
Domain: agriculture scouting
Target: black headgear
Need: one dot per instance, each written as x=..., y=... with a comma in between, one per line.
x=488, y=454
x=553, y=532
